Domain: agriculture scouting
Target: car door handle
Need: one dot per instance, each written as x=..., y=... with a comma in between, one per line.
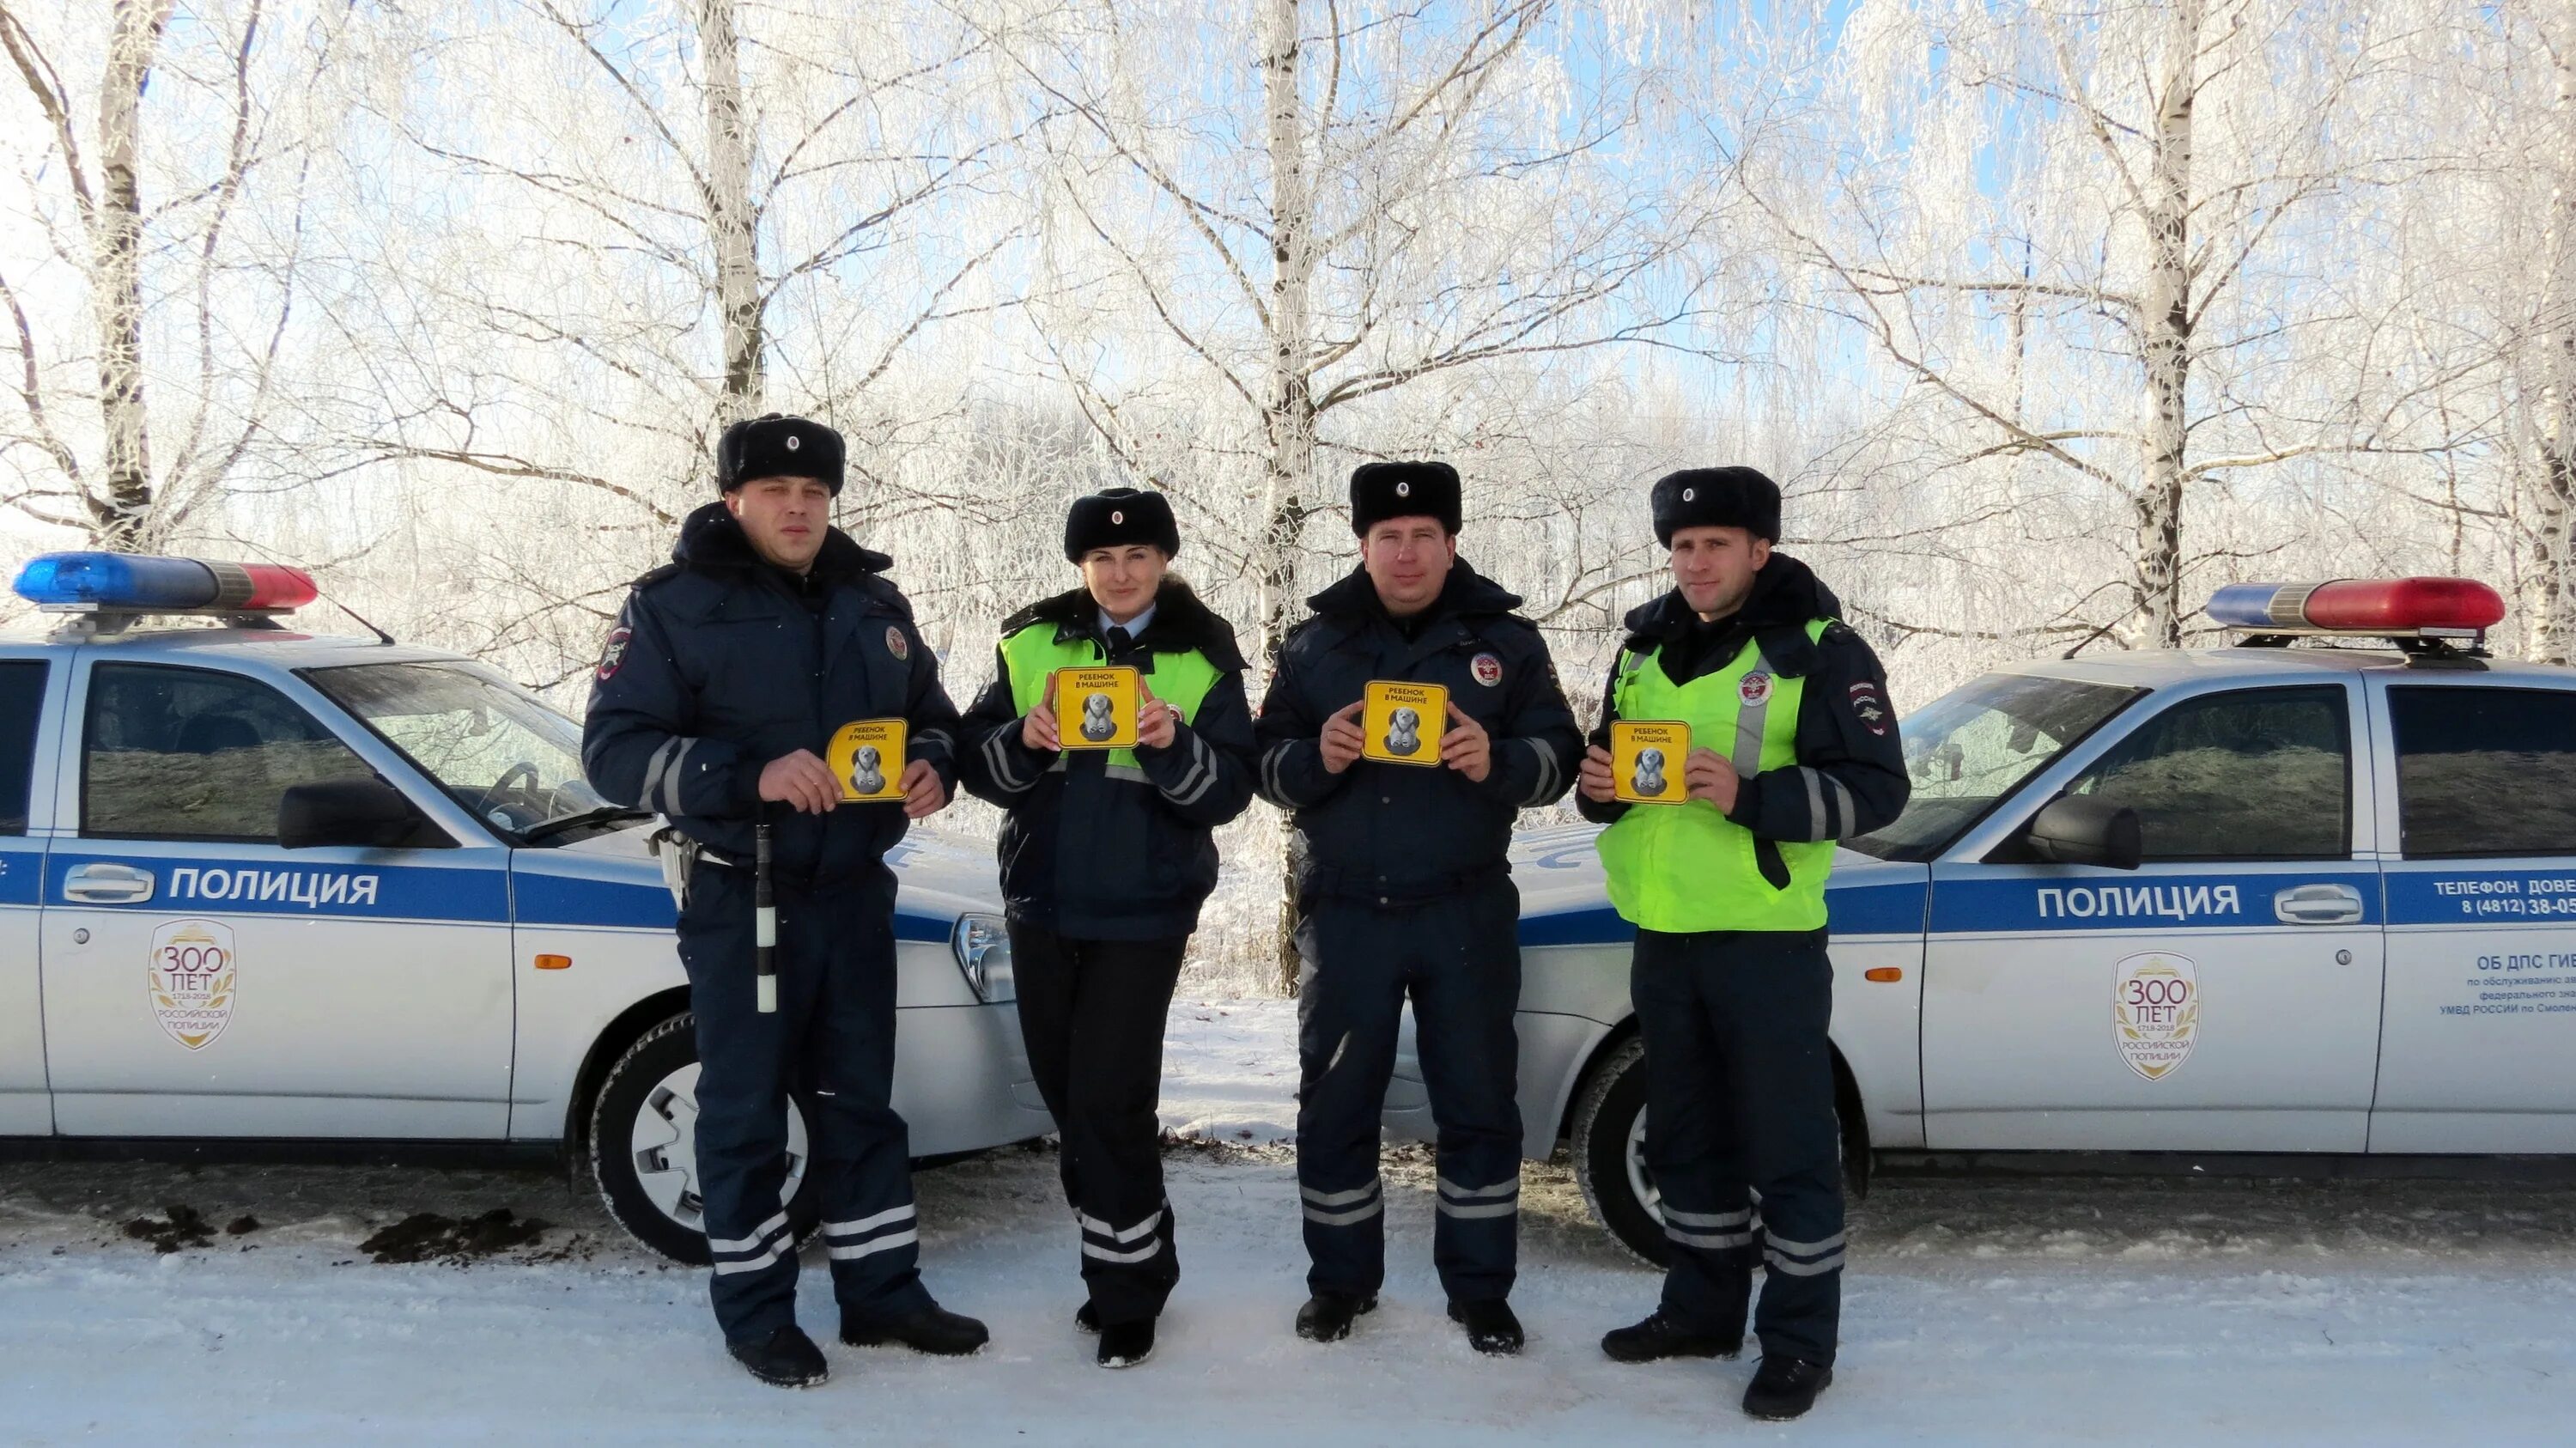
x=108, y=884
x=2318, y=905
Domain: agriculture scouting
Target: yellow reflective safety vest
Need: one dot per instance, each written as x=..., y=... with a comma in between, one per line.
x=1686, y=868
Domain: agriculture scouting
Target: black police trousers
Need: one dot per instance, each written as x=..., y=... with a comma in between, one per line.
x=1740, y=1099
x=1458, y=957
x=832, y=1041
x=1092, y=1014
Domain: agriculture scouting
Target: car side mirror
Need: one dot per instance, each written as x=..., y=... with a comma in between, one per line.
x=368, y=813
x=2076, y=829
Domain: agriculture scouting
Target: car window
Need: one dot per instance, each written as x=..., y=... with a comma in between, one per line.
x=179, y=753
x=489, y=743
x=1972, y=746
x=2485, y=771
x=2259, y=774
x=22, y=702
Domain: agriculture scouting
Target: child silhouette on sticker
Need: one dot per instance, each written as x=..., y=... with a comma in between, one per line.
x=866, y=775
x=1403, y=731
x=1649, y=778
x=1096, y=723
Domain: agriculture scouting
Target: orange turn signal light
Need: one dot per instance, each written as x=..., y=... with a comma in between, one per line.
x=1879, y=973
x=554, y=962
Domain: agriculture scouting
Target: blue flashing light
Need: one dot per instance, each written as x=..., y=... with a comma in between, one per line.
x=2250, y=605
x=116, y=580
x=132, y=583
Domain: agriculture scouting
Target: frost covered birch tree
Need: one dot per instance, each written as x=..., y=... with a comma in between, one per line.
x=623, y=224
x=2501, y=216
x=156, y=253
x=2100, y=251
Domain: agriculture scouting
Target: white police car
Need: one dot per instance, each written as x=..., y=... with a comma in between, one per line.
x=257, y=884
x=2311, y=893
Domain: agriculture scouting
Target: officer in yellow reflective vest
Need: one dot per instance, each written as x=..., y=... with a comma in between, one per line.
x=1792, y=747
x=1106, y=859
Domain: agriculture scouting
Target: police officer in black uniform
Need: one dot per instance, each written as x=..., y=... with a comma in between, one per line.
x=1731, y=984
x=1403, y=889
x=723, y=680
x=1107, y=856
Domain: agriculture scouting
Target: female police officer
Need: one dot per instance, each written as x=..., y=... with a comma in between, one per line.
x=1106, y=858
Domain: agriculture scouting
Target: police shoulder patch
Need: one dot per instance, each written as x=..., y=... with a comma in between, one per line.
x=614, y=653
x=1869, y=708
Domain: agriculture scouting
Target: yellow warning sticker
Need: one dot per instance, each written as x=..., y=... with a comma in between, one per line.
x=1402, y=723
x=867, y=758
x=1646, y=758
x=1096, y=708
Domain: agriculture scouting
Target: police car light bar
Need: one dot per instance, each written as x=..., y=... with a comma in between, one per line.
x=130, y=583
x=2431, y=608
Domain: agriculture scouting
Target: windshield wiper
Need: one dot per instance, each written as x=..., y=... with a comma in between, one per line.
x=547, y=829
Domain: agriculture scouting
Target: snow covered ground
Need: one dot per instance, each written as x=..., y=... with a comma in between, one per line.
x=1990, y=1312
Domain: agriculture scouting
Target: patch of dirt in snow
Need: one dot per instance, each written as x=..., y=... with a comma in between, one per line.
x=430, y=1237
x=180, y=1226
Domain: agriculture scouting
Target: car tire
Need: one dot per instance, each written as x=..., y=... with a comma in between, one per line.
x=643, y=1148
x=1609, y=1120
x=1609, y=1146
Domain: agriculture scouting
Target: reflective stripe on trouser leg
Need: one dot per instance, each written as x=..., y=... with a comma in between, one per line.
x=1465, y=986
x=1348, y=1013
x=1133, y=1243
x=891, y=1230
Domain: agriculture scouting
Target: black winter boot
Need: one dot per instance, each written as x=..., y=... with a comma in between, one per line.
x=1327, y=1316
x=1491, y=1327
x=1785, y=1387
x=1659, y=1337
x=786, y=1358
x=931, y=1329
x=1125, y=1344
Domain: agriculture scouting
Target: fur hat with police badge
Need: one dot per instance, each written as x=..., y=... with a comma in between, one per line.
x=1380, y=491
x=777, y=446
x=1716, y=498
x=1114, y=516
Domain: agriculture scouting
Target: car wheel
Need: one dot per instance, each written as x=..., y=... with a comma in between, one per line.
x=643, y=1146
x=1610, y=1152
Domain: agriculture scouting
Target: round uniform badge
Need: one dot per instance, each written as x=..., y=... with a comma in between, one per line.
x=1487, y=668
x=1117, y=517
x=897, y=644
x=794, y=442
x=1404, y=490
x=1755, y=689
x=615, y=652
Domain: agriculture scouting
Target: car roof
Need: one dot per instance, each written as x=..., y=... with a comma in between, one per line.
x=2240, y=664
x=273, y=647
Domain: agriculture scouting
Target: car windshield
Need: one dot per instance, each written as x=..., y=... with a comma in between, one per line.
x=1974, y=745
x=488, y=742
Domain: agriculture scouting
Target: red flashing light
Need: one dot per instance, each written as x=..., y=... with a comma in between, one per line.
x=2372, y=605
